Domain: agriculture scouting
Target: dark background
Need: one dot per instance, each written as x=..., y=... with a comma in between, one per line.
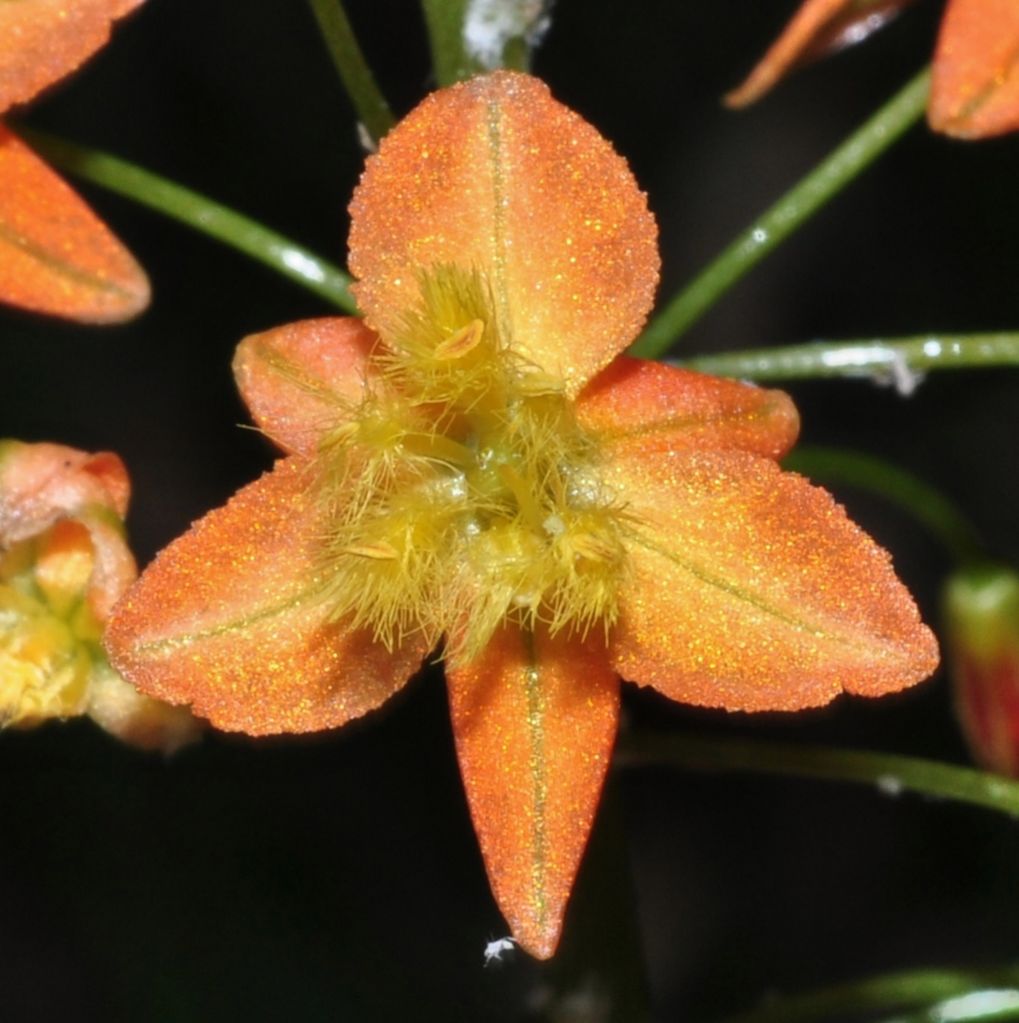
x=337, y=877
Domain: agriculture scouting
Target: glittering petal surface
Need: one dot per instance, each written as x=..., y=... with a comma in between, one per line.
x=41, y=483
x=636, y=403
x=534, y=720
x=43, y=40
x=301, y=379
x=818, y=27
x=56, y=256
x=751, y=590
x=975, y=85
x=227, y=619
x=495, y=174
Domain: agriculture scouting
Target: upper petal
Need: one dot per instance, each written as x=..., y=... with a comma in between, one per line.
x=818, y=27
x=56, y=256
x=43, y=40
x=751, y=590
x=653, y=407
x=229, y=618
x=975, y=83
x=494, y=174
x=303, y=378
x=535, y=719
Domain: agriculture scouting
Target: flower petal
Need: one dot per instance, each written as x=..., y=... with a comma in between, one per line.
x=975, y=85
x=133, y=718
x=751, y=590
x=300, y=379
x=818, y=27
x=635, y=403
x=41, y=483
x=229, y=619
x=494, y=174
x=534, y=719
x=43, y=40
x=56, y=256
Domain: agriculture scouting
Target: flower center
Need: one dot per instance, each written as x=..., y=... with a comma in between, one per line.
x=463, y=492
x=46, y=626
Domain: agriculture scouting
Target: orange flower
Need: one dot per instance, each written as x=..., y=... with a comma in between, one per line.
x=63, y=564
x=975, y=84
x=56, y=257
x=475, y=465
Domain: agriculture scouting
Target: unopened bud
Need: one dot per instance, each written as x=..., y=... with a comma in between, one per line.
x=982, y=618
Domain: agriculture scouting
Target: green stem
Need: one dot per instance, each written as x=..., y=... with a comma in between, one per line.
x=928, y=506
x=371, y=106
x=242, y=233
x=887, y=992
x=983, y=1006
x=507, y=30
x=896, y=360
x=890, y=772
x=445, y=22
x=791, y=211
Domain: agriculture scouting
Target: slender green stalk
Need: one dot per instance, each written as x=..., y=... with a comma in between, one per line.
x=445, y=21
x=790, y=212
x=928, y=506
x=225, y=225
x=471, y=36
x=889, y=993
x=986, y=1006
x=891, y=773
x=895, y=361
x=371, y=106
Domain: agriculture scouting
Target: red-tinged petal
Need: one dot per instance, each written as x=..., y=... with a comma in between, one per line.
x=534, y=719
x=56, y=256
x=85, y=554
x=975, y=85
x=229, y=618
x=494, y=174
x=114, y=569
x=43, y=40
x=301, y=379
x=650, y=407
x=818, y=28
x=751, y=590
x=41, y=483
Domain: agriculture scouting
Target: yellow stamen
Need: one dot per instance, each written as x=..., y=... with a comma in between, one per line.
x=458, y=344
x=374, y=551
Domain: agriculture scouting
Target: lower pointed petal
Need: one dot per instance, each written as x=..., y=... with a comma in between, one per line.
x=229, y=618
x=750, y=589
x=534, y=718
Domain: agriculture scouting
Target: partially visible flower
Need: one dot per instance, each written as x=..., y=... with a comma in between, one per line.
x=63, y=564
x=56, y=257
x=982, y=637
x=487, y=474
x=975, y=83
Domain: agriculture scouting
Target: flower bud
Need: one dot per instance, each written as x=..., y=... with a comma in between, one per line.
x=63, y=564
x=982, y=616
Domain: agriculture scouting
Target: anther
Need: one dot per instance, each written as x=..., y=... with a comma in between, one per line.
x=374, y=551
x=458, y=344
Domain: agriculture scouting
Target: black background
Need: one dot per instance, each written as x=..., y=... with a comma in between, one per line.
x=337, y=877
